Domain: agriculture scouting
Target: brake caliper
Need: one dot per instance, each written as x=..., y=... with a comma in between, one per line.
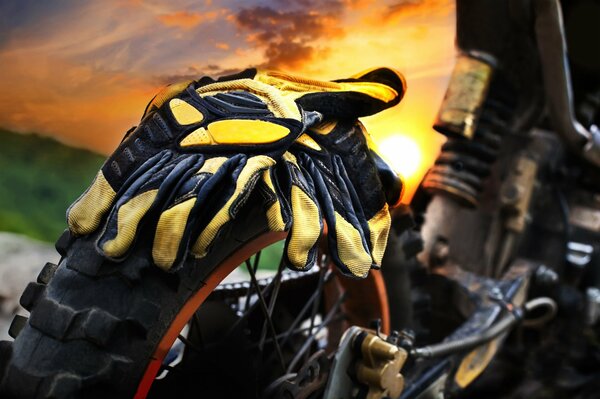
x=366, y=365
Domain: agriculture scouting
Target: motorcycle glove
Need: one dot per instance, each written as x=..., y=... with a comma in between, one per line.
x=195, y=139
x=331, y=173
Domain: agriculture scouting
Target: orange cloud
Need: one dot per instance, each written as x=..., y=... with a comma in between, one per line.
x=187, y=20
x=222, y=46
x=411, y=8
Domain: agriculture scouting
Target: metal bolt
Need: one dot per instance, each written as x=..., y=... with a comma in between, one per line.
x=546, y=276
x=439, y=252
x=496, y=294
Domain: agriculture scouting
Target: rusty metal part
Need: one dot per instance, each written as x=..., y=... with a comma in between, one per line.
x=379, y=366
x=309, y=379
x=516, y=192
x=585, y=217
x=515, y=198
x=483, y=301
x=469, y=84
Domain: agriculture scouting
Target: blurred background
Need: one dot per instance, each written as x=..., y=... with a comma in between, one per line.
x=75, y=75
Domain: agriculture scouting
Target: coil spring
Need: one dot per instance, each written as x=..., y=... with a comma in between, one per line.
x=463, y=164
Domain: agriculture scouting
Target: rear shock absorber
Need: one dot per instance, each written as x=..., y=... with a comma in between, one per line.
x=463, y=164
x=474, y=135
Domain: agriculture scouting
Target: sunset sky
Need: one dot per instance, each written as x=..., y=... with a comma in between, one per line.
x=82, y=71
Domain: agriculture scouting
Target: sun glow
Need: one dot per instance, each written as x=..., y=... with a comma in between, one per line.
x=406, y=155
x=403, y=153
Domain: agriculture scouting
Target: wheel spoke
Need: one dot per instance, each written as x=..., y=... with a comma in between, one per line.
x=265, y=310
x=317, y=301
x=297, y=331
x=189, y=343
x=311, y=338
x=272, y=301
x=196, y=322
x=299, y=334
x=305, y=309
x=254, y=268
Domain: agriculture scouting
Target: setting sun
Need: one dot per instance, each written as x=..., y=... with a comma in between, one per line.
x=403, y=153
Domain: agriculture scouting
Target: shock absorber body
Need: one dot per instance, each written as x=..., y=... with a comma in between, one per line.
x=474, y=128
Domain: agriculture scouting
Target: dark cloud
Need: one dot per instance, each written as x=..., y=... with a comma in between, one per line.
x=288, y=36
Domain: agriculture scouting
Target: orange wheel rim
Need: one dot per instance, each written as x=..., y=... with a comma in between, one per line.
x=372, y=289
x=194, y=302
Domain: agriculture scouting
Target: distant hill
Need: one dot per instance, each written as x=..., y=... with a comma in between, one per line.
x=39, y=179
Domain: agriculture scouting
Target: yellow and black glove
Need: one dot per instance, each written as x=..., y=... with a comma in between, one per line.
x=333, y=171
x=195, y=140
x=197, y=154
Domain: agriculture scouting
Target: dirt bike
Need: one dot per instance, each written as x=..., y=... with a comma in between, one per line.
x=488, y=286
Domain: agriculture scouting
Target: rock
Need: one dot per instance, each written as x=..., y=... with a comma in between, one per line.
x=21, y=259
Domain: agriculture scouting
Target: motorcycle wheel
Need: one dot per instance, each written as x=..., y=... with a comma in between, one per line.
x=102, y=329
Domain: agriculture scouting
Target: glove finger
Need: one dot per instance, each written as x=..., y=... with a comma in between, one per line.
x=362, y=94
x=150, y=190
x=278, y=212
x=245, y=178
x=169, y=244
x=347, y=243
x=307, y=222
x=86, y=213
x=368, y=191
x=379, y=229
x=375, y=229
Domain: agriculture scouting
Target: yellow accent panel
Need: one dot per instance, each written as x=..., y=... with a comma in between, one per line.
x=128, y=218
x=274, y=218
x=253, y=166
x=85, y=214
x=379, y=225
x=184, y=113
x=168, y=93
x=198, y=137
x=297, y=87
x=279, y=103
x=324, y=127
x=236, y=131
x=306, y=227
x=475, y=363
x=169, y=232
x=350, y=247
x=246, y=131
x=307, y=141
x=212, y=165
